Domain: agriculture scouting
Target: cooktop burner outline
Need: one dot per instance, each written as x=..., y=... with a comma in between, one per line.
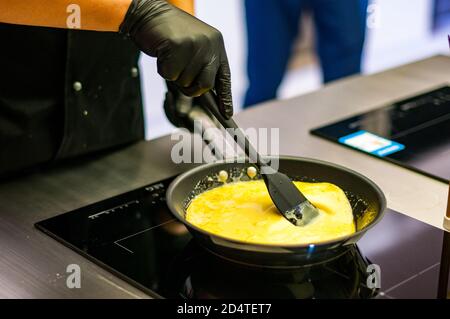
x=386, y=292
x=138, y=233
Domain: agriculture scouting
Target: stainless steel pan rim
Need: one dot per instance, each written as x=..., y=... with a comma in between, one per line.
x=337, y=241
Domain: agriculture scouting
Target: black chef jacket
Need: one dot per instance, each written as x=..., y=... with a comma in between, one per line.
x=65, y=93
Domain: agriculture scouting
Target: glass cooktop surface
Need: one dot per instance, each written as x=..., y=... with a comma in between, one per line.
x=135, y=236
x=414, y=133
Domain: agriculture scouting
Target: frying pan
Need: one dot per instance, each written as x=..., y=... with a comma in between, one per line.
x=366, y=199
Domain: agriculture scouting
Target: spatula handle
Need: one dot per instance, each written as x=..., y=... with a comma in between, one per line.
x=208, y=101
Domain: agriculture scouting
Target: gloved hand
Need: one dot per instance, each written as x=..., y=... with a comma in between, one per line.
x=189, y=52
x=177, y=107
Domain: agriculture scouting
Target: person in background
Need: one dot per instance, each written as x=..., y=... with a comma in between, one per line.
x=69, y=81
x=273, y=26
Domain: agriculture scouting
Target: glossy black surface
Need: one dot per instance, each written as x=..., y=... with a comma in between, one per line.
x=421, y=123
x=134, y=236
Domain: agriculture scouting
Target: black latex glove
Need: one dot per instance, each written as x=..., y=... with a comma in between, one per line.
x=177, y=107
x=189, y=52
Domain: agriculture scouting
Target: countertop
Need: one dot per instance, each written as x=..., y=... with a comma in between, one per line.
x=32, y=265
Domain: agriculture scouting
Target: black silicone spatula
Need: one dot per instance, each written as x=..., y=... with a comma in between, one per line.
x=290, y=202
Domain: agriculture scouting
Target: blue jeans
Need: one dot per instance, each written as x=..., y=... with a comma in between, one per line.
x=273, y=25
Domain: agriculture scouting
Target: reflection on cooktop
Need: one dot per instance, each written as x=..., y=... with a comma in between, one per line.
x=414, y=133
x=134, y=236
x=210, y=277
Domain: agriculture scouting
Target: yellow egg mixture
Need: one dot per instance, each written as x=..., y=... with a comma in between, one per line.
x=245, y=212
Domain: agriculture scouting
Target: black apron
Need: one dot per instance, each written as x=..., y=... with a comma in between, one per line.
x=65, y=93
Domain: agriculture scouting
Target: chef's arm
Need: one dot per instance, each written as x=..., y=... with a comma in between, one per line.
x=99, y=15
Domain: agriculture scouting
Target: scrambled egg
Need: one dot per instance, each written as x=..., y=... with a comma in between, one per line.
x=244, y=211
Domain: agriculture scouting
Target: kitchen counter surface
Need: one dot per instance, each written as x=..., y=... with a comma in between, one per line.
x=32, y=265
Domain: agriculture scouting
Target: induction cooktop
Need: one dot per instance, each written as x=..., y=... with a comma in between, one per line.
x=134, y=236
x=414, y=133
